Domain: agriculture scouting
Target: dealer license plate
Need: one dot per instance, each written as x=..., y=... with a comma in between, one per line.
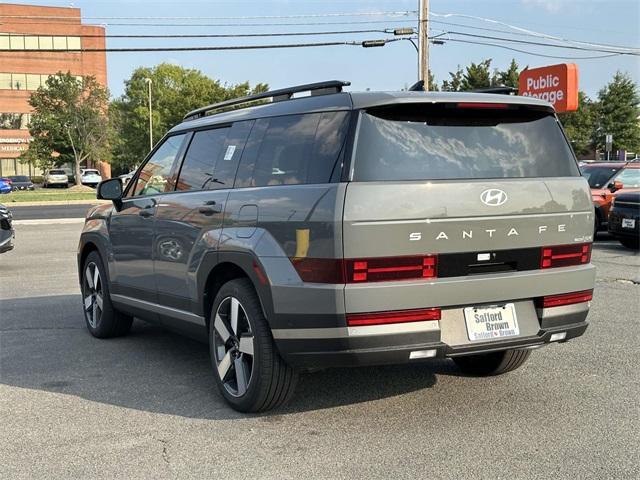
x=494, y=322
x=628, y=223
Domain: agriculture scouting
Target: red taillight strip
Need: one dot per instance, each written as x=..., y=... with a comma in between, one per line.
x=565, y=255
x=565, y=299
x=398, y=316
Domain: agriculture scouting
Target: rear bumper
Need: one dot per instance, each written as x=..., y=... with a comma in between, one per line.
x=615, y=223
x=413, y=342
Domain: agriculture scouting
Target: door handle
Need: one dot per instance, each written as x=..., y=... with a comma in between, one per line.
x=210, y=208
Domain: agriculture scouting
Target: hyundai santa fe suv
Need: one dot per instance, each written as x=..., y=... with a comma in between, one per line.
x=347, y=229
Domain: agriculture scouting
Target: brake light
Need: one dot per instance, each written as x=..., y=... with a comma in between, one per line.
x=565, y=299
x=390, y=268
x=565, y=255
x=399, y=316
x=361, y=270
x=482, y=105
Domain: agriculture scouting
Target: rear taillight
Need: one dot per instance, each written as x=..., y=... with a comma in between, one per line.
x=564, y=299
x=565, y=255
x=361, y=270
x=399, y=316
x=390, y=268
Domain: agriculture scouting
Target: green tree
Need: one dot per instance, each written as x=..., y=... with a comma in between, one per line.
x=69, y=122
x=433, y=85
x=477, y=76
x=617, y=114
x=454, y=84
x=579, y=125
x=508, y=77
x=175, y=92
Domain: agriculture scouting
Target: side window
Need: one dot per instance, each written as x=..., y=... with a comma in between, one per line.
x=198, y=170
x=232, y=151
x=286, y=150
x=155, y=176
x=630, y=177
x=329, y=141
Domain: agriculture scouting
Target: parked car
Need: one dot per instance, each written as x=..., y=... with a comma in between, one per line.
x=56, y=178
x=21, y=182
x=5, y=185
x=7, y=234
x=90, y=177
x=607, y=180
x=624, y=219
x=344, y=229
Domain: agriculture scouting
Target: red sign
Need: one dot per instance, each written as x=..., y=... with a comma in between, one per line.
x=556, y=84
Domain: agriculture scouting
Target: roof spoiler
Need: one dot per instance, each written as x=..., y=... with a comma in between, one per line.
x=319, y=88
x=501, y=89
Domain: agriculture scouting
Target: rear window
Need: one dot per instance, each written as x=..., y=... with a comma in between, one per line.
x=91, y=172
x=57, y=172
x=598, y=177
x=431, y=142
x=19, y=178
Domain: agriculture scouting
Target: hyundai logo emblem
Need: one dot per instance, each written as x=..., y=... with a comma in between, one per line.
x=493, y=197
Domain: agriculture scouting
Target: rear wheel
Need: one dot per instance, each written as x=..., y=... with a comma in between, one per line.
x=629, y=242
x=103, y=321
x=249, y=371
x=494, y=363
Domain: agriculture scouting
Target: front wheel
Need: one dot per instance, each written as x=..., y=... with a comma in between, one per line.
x=249, y=371
x=102, y=319
x=494, y=363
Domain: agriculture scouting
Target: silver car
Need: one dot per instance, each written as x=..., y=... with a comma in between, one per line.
x=56, y=178
x=348, y=229
x=90, y=177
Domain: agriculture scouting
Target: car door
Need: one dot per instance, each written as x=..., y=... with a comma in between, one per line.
x=189, y=220
x=131, y=226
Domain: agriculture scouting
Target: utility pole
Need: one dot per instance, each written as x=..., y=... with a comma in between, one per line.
x=423, y=43
x=148, y=80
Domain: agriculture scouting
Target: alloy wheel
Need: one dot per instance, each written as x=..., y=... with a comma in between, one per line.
x=92, y=295
x=233, y=346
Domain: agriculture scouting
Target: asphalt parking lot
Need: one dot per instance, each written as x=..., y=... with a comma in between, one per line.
x=146, y=406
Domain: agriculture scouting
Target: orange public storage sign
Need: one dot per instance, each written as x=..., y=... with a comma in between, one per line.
x=556, y=84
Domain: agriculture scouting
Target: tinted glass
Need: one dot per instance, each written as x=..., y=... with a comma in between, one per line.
x=232, y=151
x=57, y=172
x=198, y=167
x=630, y=177
x=418, y=142
x=156, y=175
x=19, y=178
x=294, y=149
x=598, y=177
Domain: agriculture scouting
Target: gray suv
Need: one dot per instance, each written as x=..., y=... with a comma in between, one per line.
x=343, y=229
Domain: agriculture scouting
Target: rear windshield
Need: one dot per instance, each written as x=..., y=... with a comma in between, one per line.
x=598, y=177
x=56, y=172
x=19, y=178
x=91, y=172
x=418, y=142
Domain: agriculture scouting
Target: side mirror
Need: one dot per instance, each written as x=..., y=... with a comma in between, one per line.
x=110, y=190
x=615, y=186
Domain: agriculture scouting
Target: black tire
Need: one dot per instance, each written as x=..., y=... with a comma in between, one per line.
x=105, y=321
x=494, y=363
x=271, y=381
x=629, y=242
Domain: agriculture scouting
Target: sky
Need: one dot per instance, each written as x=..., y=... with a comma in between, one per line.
x=391, y=67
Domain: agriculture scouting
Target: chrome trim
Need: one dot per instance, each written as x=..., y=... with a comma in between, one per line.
x=160, y=309
x=350, y=332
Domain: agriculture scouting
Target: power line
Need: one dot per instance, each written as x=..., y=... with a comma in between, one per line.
x=236, y=25
x=528, y=42
x=532, y=53
x=243, y=17
x=196, y=49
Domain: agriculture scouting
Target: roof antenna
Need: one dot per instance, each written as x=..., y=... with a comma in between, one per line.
x=417, y=87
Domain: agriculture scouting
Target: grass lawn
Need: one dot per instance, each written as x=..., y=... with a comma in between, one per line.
x=47, y=195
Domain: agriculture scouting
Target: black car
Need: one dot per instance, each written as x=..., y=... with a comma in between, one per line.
x=7, y=234
x=21, y=182
x=624, y=219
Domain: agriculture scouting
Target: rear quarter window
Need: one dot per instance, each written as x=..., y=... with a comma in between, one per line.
x=424, y=142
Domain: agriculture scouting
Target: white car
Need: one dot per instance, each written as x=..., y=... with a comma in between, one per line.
x=56, y=178
x=90, y=177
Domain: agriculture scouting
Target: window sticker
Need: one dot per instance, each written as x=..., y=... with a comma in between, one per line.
x=229, y=153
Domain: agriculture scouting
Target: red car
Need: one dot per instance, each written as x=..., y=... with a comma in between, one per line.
x=607, y=180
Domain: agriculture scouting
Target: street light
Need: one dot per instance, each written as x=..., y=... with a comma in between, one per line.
x=149, y=82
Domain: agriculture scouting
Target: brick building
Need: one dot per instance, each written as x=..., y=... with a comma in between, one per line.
x=22, y=70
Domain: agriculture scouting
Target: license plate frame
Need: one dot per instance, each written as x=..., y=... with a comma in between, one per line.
x=491, y=322
x=629, y=223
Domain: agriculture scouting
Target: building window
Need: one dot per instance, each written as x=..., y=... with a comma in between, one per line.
x=14, y=121
x=26, y=81
x=38, y=42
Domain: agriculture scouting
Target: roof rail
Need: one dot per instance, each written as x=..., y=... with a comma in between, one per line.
x=319, y=88
x=502, y=90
